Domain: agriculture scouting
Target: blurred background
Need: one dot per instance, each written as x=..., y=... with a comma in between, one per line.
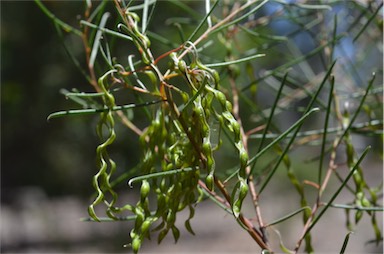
x=46, y=167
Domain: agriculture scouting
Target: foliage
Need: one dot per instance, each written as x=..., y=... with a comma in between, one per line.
x=203, y=97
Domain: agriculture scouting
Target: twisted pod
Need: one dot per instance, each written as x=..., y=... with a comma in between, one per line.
x=101, y=180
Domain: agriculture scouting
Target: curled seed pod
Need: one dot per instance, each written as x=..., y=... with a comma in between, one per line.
x=145, y=40
x=236, y=208
x=134, y=16
x=144, y=57
x=91, y=212
x=240, y=190
x=201, y=195
x=187, y=222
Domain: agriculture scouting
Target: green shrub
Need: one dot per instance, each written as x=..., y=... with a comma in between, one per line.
x=219, y=97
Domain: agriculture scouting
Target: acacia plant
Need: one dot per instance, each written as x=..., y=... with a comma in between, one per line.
x=219, y=80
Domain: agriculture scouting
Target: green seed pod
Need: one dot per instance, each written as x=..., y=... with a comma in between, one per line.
x=365, y=202
x=243, y=190
x=173, y=56
x=145, y=58
x=216, y=77
x=182, y=66
x=243, y=158
x=171, y=218
x=160, y=201
x=152, y=76
x=145, y=40
x=188, y=226
x=236, y=130
x=133, y=234
x=228, y=106
x=91, y=212
x=221, y=98
x=358, y=216
x=163, y=185
x=209, y=181
x=236, y=208
x=140, y=217
x=145, y=189
x=185, y=97
x=206, y=149
x=136, y=244
x=145, y=226
x=133, y=15
x=162, y=235
x=210, y=163
x=176, y=233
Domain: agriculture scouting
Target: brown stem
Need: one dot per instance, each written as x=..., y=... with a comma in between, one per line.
x=252, y=231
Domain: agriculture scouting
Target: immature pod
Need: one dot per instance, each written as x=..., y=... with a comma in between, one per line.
x=162, y=235
x=152, y=76
x=358, y=216
x=364, y=201
x=243, y=160
x=241, y=189
x=221, y=98
x=187, y=222
x=182, y=66
x=134, y=16
x=209, y=182
x=176, y=233
x=171, y=218
x=228, y=106
x=146, y=225
x=140, y=217
x=236, y=129
x=136, y=244
x=206, y=149
x=144, y=190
